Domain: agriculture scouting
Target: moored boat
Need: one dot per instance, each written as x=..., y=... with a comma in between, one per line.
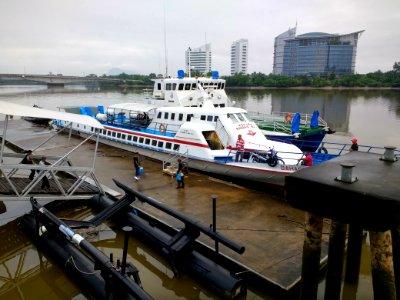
x=205, y=136
x=303, y=130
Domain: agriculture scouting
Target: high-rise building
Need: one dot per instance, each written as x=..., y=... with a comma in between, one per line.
x=239, y=56
x=198, y=59
x=317, y=54
x=279, y=50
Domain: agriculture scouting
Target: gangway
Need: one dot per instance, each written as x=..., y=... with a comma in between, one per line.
x=67, y=182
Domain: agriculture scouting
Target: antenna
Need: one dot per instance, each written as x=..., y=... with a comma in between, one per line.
x=165, y=45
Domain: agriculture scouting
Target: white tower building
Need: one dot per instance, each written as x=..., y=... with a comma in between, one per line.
x=239, y=56
x=198, y=59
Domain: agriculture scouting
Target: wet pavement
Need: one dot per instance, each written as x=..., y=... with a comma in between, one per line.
x=270, y=229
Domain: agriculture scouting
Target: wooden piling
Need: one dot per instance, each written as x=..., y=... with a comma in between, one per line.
x=396, y=258
x=311, y=257
x=382, y=265
x=354, y=247
x=337, y=240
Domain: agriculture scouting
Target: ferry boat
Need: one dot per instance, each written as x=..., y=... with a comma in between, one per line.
x=205, y=136
x=286, y=127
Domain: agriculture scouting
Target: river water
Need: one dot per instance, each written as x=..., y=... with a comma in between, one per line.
x=372, y=116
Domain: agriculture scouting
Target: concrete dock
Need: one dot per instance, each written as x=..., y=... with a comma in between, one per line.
x=271, y=230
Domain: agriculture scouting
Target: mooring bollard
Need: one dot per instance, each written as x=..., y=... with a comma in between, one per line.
x=311, y=257
x=337, y=241
x=382, y=265
x=389, y=154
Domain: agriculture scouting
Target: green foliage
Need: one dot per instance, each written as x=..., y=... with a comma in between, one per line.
x=374, y=79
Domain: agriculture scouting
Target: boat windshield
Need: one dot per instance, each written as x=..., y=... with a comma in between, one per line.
x=238, y=117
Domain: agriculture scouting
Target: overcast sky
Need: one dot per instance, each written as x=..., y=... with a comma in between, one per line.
x=79, y=37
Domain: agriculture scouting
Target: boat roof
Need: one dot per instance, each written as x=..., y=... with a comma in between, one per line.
x=133, y=106
x=190, y=79
x=13, y=109
x=207, y=108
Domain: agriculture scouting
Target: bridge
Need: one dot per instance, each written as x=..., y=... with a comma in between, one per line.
x=58, y=79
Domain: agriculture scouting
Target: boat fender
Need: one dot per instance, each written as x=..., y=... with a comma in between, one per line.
x=288, y=118
x=296, y=135
x=162, y=128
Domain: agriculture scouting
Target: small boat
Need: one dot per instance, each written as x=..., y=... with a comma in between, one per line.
x=303, y=130
x=205, y=136
x=37, y=120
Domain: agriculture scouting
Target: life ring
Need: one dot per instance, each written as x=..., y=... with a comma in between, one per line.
x=162, y=128
x=288, y=118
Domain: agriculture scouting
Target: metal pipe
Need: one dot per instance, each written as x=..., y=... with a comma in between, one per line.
x=126, y=230
x=182, y=217
x=214, y=225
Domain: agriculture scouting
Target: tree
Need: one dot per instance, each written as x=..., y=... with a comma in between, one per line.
x=396, y=67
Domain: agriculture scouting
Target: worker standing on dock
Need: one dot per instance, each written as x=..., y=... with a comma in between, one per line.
x=180, y=175
x=136, y=163
x=28, y=160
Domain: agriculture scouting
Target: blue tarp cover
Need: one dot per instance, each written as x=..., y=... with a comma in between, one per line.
x=314, y=119
x=296, y=123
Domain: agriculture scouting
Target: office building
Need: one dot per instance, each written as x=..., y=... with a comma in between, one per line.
x=239, y=56
x=316, y=54
x=198, y=59
x=279, y=50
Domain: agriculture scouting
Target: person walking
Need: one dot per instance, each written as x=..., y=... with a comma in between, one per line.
x=239, y=148
x=354, y=145
x=28, y=160
x=136, y=163
x=180, y=175
x=45, y=181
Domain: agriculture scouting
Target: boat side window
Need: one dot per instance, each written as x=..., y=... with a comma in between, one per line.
x=233, y=118
x=168, y=86
x=194, y=86
x=147, y=141
x=176, y=146
x=241, y=117
x=129, y=137
x=189, y=117
x=180, y=118
x=135, y=139
x=168, y=145
x=154, y=142
x=174, y=86
x=159, y=86
x=159, y=115
x=160, y=144
x=222, y=85
x=187, y=86
x=219, y=85
x=108, y=133
x=118, y=135
x=209, y=118
x=180, y=87
x=166, y=116
x=203, y=117
x=104, y=132
x=215, y=118
x=205, y=84
x=245, y=116
x=222, y=105
x=113, y=134
x=172, y=116
x=123, y=136
x=141, y=140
